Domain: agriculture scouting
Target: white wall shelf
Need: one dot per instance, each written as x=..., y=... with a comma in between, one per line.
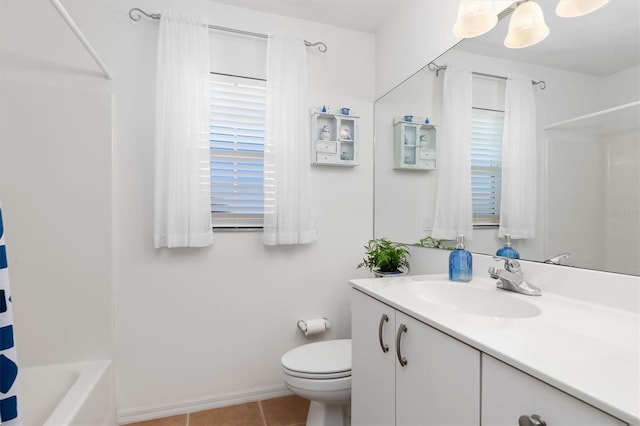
x=334, y=139
x=414, y=145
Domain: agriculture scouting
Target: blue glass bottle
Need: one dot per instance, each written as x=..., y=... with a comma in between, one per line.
x=460, y=263
x=507, y=250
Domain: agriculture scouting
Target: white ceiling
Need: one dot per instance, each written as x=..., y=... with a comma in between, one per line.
x=361, y=15
x=600, y=43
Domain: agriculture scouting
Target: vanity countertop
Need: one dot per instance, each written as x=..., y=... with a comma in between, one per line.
x=588, y=350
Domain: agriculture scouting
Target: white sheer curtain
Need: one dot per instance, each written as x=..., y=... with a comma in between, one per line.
x=182, y=210
x=519, y=161
x=453, y=213
x=289, y=216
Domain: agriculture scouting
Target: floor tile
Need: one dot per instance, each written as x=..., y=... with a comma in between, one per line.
x=180, y=420
x=285, y=411
x=235, y=415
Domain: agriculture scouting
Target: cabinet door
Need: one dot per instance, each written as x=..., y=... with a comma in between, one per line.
x=508, y=393
x=440, y=384
x=372, y=374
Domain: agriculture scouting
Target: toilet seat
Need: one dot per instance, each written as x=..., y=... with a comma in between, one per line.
x=329, y=359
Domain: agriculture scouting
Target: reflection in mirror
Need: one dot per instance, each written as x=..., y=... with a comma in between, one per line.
x=588, y=133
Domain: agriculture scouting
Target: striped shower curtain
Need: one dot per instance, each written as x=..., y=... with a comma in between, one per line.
x=8, y=360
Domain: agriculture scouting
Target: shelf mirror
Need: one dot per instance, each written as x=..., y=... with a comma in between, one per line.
x=588, y=137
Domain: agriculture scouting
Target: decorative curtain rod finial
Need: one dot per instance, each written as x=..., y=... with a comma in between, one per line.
x=135, y=14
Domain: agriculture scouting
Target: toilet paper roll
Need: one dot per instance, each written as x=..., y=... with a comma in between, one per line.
x=315, y=326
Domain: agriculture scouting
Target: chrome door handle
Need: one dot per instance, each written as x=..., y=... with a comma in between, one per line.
x=402, y=360
x=384, y=318
x=532, y=420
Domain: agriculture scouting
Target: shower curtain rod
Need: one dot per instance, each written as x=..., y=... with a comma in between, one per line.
x=78, y=33
x=135, y=14
x=432, y=66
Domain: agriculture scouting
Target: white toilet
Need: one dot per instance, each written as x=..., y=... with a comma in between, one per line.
x=321, y=373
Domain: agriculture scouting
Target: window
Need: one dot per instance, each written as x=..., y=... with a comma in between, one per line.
x=486, y=165
x=237, y=151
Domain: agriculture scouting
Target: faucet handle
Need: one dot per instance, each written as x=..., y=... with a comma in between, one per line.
x=510, y=264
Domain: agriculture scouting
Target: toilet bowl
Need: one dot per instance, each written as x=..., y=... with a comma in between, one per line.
x=321, y=373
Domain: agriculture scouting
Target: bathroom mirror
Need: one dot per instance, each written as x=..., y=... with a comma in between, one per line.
x=588, y=134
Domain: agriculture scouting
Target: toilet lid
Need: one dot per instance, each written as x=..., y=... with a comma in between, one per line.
x=328, y=358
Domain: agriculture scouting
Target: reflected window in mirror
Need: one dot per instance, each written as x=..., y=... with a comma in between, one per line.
x=486, y=165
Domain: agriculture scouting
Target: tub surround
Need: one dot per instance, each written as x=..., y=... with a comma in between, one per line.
x=577, y=344
x=69, y=394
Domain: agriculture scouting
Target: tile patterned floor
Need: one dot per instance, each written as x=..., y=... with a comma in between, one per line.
x=285, y=411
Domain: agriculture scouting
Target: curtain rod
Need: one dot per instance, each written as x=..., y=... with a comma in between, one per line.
x=432, y=66
x=135, y=14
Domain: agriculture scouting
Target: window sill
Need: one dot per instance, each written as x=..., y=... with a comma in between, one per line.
x=486, y=226
x=221, y=230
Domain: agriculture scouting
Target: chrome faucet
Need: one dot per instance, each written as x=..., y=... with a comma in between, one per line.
x=559, y=259
x=510, y=278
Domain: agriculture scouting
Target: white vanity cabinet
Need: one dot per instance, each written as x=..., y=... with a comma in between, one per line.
x=334, y=139
x=414, y=146
x=508, y=394
x=373, y=377
x=405, y=372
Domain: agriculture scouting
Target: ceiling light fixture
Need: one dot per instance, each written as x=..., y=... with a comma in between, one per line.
x=575, y=8
x=526, y=27
x=475, y=17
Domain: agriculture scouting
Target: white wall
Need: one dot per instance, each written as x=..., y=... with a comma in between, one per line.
x=208, y=326
x=620, y=88
x=55, y=183
x=415, y=34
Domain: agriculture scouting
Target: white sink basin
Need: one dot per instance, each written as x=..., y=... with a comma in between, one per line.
x=464, y=297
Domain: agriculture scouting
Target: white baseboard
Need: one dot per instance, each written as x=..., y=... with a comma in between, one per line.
x=131, y=415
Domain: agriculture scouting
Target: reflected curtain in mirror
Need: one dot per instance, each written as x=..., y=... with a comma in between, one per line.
x=453, y=213
x=519, y=161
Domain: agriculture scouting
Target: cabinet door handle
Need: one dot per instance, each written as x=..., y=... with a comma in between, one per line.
x=384, y=318
x=532, y=420
x=402, y=360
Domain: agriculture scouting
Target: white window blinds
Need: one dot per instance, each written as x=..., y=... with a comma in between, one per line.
x=486, y=165
x=237, y=151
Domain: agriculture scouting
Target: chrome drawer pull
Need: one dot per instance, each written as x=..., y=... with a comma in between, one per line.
x=384, y=318
x=402, y=360
x=532, y=420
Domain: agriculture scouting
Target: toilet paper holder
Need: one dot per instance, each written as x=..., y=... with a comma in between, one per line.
x=302, y=324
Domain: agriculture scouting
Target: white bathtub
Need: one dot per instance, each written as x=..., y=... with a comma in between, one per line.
x=67, y=394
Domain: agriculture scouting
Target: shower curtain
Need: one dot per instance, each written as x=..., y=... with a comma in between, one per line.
x=8, y=359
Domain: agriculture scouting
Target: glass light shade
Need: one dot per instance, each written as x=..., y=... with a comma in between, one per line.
x=527, y=26
x=574, y=8
x=475, y=17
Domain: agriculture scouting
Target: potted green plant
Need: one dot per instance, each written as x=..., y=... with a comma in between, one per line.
x=384, y=257
x=433, y=243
